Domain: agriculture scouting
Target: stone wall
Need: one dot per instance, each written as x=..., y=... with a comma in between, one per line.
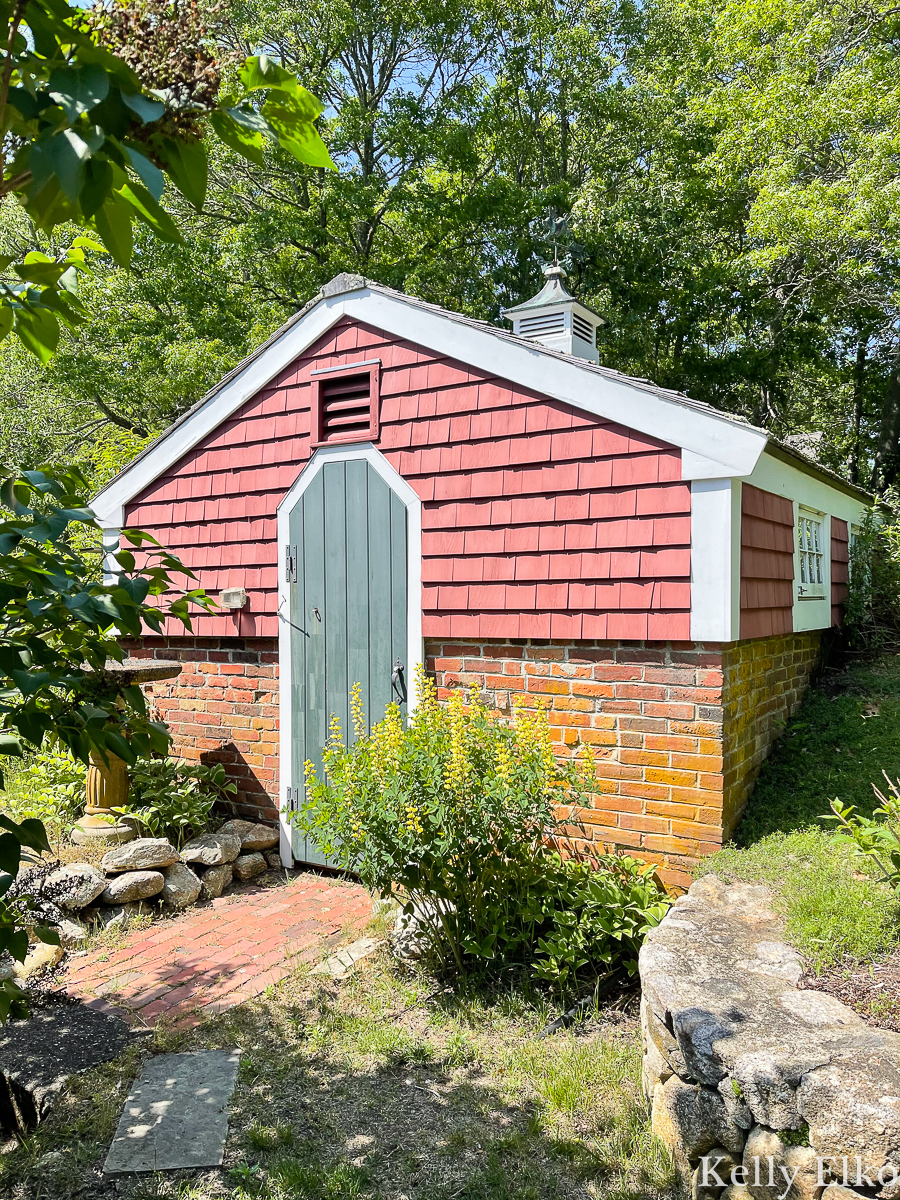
x=752, y=1076
x=763, y=682
x=223, y=707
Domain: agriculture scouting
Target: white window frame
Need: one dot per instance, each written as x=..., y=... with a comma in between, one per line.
x=813, y=553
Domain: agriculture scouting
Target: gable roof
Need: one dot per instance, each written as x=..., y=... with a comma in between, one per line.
x=714, y=444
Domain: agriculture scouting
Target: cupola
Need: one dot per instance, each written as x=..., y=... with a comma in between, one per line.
x=556, y=319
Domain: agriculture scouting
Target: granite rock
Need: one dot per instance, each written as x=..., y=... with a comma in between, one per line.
x=766, y=1156
x=41, y=957
x=143, y=854
x=181, y=886
x=74, y=886
x=72, y=933
x=691, y=1120
x=246, y=866
x=133, y=885
x=254, y=836
x=212, y=849
x=215, y=880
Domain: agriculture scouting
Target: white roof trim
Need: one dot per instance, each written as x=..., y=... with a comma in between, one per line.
x=719, y=447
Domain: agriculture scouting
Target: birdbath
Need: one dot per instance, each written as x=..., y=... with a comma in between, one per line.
x=106, y=784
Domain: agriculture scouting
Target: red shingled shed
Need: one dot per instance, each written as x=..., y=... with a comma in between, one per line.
x=391, y=483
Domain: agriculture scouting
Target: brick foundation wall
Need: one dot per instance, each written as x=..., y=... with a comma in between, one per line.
x=651, y=713
x=223, y=707
x=763, y=683
x=678, y=731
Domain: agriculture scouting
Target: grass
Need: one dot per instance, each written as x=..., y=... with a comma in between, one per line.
x=383, y=1087
x=846, y=732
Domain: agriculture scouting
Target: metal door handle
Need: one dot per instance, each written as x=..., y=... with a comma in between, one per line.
x=398, y=683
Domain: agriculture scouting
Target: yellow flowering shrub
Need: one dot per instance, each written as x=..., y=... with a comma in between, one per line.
x=459, y=813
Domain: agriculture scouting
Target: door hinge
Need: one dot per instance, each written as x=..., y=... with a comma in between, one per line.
x=293, y=798
x=290, y=564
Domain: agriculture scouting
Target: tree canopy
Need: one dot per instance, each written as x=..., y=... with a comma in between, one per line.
x=730, y=171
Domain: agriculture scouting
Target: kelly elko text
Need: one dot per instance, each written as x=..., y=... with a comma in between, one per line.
x=765, y=1171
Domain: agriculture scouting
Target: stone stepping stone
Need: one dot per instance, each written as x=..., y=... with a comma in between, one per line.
x=340, y=965
x=176, y=1113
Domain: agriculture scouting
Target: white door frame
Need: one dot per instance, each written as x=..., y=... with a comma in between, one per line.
x=415, y=649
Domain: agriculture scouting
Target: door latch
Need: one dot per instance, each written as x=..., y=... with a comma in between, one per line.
x=398, y=683
x=290, y=564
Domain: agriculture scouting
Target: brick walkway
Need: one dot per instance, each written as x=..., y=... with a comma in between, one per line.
x=219, y=955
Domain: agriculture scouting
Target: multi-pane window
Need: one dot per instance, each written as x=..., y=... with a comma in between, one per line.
x=811, y=548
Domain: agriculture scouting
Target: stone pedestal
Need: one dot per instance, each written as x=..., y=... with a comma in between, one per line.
x=106, y=787
x=106, y=784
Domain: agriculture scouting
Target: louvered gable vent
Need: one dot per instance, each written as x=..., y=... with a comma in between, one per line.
x=346, y=403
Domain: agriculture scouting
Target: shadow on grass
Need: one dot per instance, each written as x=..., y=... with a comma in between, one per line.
x=845, y=733
x=371, y=1089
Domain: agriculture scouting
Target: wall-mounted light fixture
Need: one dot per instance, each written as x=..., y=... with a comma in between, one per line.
x=233, y=597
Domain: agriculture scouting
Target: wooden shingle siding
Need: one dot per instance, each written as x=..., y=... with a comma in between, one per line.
x=767, y=563
x=840, y=568
x=538, y=520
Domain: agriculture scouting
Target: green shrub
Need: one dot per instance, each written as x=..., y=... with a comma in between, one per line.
x=877, y=841
x=465, y=816
x=174, y=799
x=872, y=608
x=601, y=912
x=47, y=786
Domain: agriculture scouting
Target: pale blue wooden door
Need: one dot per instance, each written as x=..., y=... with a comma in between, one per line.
x=348, y=610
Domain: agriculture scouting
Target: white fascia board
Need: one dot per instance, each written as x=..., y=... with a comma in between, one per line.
x=773, y=475
x=719, y=439
x=415, y=644
x=109, y=504
x=715, y=560
x=720, y=447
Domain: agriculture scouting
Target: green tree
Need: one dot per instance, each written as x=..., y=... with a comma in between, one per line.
x=789, y=108
x=99, y=109
x=59, y=626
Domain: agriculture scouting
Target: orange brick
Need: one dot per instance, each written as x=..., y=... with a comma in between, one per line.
x=697, y=762
x=665, y=741
x=595, y=691
x=554, y=687
x=684, y=779
x=644, y=758
x=670, y=845
x=668, y=808
x=644, y=823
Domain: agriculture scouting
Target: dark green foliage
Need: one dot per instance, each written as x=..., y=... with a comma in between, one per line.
x=872, y=609
x=59, y=626
x=14, y=837
x=174, y=799
x=98, y=110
